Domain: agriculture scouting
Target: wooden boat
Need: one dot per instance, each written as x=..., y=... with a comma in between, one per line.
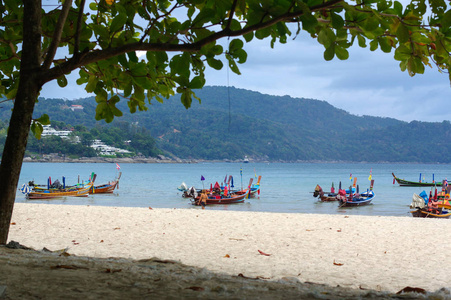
x=357, y=199
x=98, y=189
x=332, y=196
x=106, y=188
x=57, y=185
x=221, y=199
x=403, y=182
x=429, y=207
x=52, y=193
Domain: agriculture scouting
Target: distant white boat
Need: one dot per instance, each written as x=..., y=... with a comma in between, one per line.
x=245, y=160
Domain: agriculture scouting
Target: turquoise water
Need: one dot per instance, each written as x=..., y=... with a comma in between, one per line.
x=285, y=187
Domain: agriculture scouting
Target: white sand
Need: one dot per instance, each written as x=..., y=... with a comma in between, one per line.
x=379, y=253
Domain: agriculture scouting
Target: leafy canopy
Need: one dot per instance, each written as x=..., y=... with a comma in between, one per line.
x=180, y=39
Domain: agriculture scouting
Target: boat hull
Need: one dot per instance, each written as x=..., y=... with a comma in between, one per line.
x=222, y=200
x=107, y=188
x=363, y=199
x=403, y=182
x=328, y=198
x=421, y=213
x=104, y=189
x=49, y=194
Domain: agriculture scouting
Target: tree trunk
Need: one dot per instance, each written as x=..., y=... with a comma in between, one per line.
x=20, y=122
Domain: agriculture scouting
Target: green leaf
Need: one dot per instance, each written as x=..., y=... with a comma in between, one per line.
x=143, y=82
x=232, y=65
x=235, y=44
x=402, y=33
x=92, y=84
x=127, y=88
x=185, y=97
x=374, y=45
x=132, y=56
x=36, y=129
x=446, y=19
x=337, y=21
x=326, y=37
x=204, y=16
x=101, y=31
x=215, y=63
x=93, y=6
x=385, y=46
x=241, y=55
x=329, y=53
x=118, y=22
x=263, y=33
x=62, y=81
x=362, y=41
x=309, y=22
x=402, y=53
x=248, y=37
x=398, y=8
x=341, y=53
x=180, y=64
x=197, y=82
x=44, y=119
x=370, y=24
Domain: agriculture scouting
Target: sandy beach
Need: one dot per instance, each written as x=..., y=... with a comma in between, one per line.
x=360, y=253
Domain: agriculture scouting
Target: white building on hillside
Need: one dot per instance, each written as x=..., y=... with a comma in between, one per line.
x=100, y=146
x=76, y=107
x=64, y=134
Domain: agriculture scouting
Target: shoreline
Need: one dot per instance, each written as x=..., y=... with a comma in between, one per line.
x=167, y=160
x=383, y=254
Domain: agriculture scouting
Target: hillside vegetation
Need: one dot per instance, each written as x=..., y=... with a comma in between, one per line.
x=232, y=123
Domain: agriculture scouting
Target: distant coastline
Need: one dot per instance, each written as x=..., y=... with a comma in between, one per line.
x=167, y=160
x=107, y=160
x=137, y=160
x=170, y=160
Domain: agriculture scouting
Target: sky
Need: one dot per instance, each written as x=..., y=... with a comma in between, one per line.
x=367, y=83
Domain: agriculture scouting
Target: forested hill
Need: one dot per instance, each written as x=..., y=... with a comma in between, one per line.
x=231, y=123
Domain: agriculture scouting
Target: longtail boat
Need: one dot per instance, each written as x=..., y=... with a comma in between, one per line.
x=403, y=182
x=53, y=193
x=221, y=199
x=332, y=195
x=356, y=199
x=107, y=188
x=429, y=207
x=325, y=197
x=57, y=185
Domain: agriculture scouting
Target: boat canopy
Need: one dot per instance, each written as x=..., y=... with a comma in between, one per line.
x=417, y=201
x=183, y=187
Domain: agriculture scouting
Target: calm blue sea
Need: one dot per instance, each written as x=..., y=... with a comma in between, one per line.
x=285, y=187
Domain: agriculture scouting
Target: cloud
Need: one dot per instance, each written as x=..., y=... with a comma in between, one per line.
x=368, y=83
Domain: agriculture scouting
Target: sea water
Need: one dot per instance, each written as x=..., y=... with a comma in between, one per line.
x=285, y=187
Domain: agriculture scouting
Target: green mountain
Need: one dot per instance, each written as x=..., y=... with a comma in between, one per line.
x=231, y=123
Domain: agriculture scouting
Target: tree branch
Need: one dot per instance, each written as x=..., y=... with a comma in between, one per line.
x=232, y=13
x=96, y=55
x=78, y=32
x=57, y=34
